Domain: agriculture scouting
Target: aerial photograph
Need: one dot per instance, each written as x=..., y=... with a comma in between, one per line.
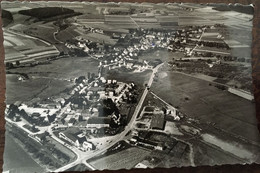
x=109, y=86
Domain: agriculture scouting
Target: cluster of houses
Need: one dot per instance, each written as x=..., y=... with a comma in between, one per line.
x=157, y=115
x=88, y=101
x=92, y=104
x=126, y=55
x=37, y=116
x=122, y=56
x=200, y=41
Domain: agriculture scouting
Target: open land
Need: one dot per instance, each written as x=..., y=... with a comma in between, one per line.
x=206, y=103
x=13, y=163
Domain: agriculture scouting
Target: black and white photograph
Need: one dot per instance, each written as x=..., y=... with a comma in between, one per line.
x=109, y=86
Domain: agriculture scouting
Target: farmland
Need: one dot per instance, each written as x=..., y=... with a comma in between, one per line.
x=203, y=102
x=24, y=164
x=48, y=79
x=202, y=135
x=124, y=159
x=21, y=48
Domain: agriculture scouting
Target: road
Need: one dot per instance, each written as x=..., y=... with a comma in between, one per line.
x=84, y=158
x=54, y=36
x=212, y=51
x=162, y=100
x=191, y=52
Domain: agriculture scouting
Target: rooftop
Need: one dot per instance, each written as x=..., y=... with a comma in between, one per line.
x=157, y=122
x=99, y=120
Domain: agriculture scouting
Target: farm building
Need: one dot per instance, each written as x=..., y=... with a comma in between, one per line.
x=98, y=122
x=149, y=109
x=73, y=135
x=158, y=122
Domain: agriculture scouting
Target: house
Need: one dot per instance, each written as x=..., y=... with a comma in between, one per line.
x=120, y=88
x=41, y=137
x=109, y=81
x=68, y=109
x=71, y=122
x=35, y=115
x=87, y=146
x=74, y=136
x=102, y=94
x=111, y=93
x=85, y=112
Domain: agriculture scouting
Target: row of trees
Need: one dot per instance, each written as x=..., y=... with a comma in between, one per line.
x=10, y=65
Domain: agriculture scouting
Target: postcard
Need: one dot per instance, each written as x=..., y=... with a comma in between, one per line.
x=95, y=86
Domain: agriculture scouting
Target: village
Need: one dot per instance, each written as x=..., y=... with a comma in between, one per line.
x=128, y=85
x=93, y=105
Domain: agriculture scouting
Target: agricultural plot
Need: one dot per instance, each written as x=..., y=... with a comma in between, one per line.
x=213, y=50
x=23, y=49
x=215, y=110
x=47, y=80
x=125, y=159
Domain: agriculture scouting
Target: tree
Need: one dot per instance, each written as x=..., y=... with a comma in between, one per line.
x=209, y=61
x=9, y=65
x=17, y=63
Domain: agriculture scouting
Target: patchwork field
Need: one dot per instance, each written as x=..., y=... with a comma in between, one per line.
x=26, y=48
x=196, y=98
x=47, y=80
x=124, y=159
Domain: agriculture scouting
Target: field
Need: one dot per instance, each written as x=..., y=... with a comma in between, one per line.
x=47, y=80
x=16, y=164
x=213, y=50
x=79, y=167
x=124, y=159
x=211, y=144
x=206, y=155
x=196, y=98
x=24, y=48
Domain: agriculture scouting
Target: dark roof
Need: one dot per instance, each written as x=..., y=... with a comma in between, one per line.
x=71, y=137
x=72, y=134
x=72, y=120
x=41, y=135
x=36, y=114
x=157, y=121
x=99, y=120
x=73, y=130
x=149, y=108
